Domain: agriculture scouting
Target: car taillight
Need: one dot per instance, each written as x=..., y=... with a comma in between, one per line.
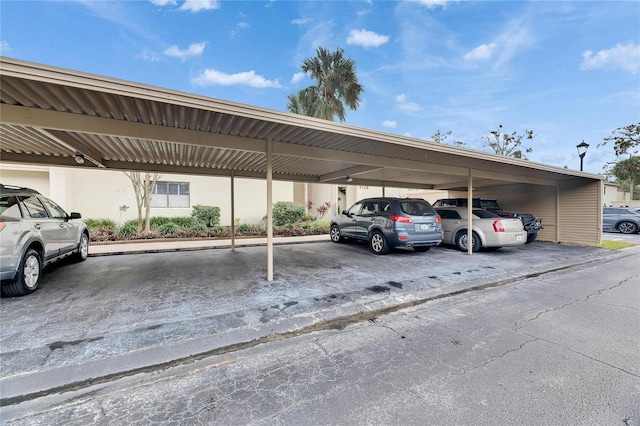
x=2, y=225
x=400, y=218
x=497, y=226
x=438, y=219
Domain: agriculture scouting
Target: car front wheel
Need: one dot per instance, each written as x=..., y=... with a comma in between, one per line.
x=462, y=241
x=83, y=248
x=378, y=243
x=28, y=276
x=627, y=228
x=335, y=235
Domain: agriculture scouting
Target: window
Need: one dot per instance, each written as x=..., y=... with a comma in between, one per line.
x=54, y=209
x=34, y=208
x=170, y=194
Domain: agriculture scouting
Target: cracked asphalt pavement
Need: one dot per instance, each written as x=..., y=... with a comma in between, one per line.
x=544, y=334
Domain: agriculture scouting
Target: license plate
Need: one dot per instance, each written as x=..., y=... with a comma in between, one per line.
x=424, y=227
x=518, y=237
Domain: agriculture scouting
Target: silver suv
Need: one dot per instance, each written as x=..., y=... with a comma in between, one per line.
x=34, y=232
x=387, y=222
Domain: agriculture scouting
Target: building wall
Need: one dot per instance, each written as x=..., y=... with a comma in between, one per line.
x=100, y=193
x=580, y=212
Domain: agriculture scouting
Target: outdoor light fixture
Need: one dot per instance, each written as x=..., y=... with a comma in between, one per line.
x=79, y=158
x=349, y=179
x=582, y=151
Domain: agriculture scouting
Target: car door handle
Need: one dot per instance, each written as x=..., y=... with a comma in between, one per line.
x=37, y=226
x=61, y=225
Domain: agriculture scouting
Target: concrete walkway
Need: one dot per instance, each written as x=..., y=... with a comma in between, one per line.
x=156, y=246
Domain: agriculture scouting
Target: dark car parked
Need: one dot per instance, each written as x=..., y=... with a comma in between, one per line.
x=387, y=222
x=622, y=219
x=34, y=232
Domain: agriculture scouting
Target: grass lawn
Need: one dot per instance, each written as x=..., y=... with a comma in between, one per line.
x=616, y=245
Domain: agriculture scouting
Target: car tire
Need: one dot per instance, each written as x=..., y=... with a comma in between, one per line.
x=531, y=237
x=627, y=227
x=422, y=249
x=28, y=277
x=462, y=241
x=378, y=243
x=83, y=248
x=334, y=234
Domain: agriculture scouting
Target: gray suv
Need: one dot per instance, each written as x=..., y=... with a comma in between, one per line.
x=622, y=219
x=34, y=232
x=387, y=222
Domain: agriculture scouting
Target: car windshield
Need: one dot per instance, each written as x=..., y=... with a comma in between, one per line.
x=416, y=207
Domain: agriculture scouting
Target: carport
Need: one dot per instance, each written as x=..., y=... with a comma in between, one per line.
x=48, y=116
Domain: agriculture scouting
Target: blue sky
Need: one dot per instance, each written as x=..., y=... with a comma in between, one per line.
x=568, y=70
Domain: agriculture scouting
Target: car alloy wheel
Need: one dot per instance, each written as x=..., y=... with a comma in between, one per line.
x=627, y=228
x=378, y=243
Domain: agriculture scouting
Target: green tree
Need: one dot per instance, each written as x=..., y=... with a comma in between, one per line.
x=624, y=139
x=509, y=145
x=439, y=137
x=336, y=86
x=628, y=172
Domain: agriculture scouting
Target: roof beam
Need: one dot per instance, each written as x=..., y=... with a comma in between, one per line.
x=340, y=174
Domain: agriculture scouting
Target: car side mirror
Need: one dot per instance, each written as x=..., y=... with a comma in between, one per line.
x=74, y=215
x=344, y=212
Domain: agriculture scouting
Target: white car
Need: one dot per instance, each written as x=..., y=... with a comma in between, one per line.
x=489, y=230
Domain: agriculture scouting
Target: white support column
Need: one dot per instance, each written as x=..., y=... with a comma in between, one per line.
x=470, y=213
x=269, y=211
x=233, y=213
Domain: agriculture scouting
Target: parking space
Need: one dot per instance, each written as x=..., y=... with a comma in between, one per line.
x=112, y=305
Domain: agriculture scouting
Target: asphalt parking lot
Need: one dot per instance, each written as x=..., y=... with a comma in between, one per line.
x=116, y=314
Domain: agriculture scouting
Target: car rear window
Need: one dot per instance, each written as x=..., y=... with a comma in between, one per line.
x=416, y=208
x=484, y=214
x=9, y=207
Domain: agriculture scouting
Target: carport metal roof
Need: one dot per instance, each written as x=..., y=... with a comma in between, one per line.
x=48, y=115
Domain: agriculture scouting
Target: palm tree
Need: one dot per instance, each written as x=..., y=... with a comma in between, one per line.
x=337, y=86
x=628, y=171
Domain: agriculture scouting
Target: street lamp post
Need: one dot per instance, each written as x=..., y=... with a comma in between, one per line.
x=582, y=151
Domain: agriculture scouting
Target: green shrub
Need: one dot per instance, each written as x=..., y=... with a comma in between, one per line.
x=308, y=218
x=129, y=229
x=208, y=215
x=287, y=212
x=168, y=228
x=156, y=222
x=244, y=227
x=198, y=227
x=95, y=224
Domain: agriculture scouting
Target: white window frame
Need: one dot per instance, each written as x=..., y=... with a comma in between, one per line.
x=168, y=200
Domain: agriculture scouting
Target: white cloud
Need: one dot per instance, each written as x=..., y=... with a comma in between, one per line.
x=163, y=2
x=211, y=77
x=431, y=4
x=403, y=104
x=240, y=26
x=4, y=47
x=513, y=39
x=622, y=56
x=198, y=5
x=194, y=49
x=390, y=124
x=300, y=21
x=481, y=53
x=366, y=38
x=297, y=77
x=148, y=56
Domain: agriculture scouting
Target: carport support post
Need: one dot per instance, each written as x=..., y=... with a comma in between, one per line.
x=233, y=214
x=470, y=212
x=269, y=211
